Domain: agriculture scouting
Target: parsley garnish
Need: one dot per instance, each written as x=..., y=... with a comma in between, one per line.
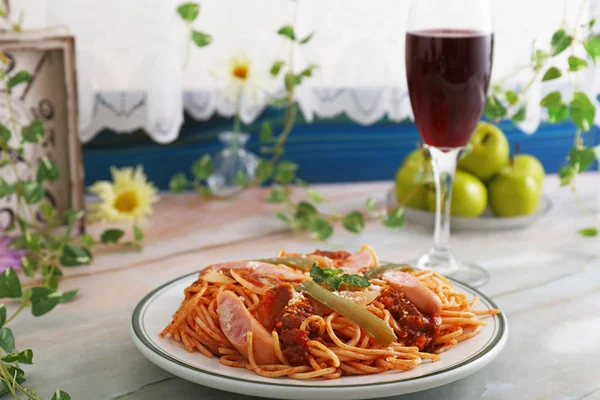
x=334, y=278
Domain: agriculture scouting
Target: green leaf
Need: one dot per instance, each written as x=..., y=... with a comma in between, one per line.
x=305, y=73
x=17, y=373
x=307, y=38
x=33, y=133
x=552, y=100
x=371, y=205
x=48, y=212
x=304, y=208
x=7, y=340
x=356, y=281
x=319, y=274
x=88, y=240
x=68, y=296
x=566, y=174
x=354, y=221
x=32, y=191
x=287, y=31
x=290, y=81
x=560, y=41
x=202, y=168
x=552, y=73
x=201, y=39
x=286, y=172
x=539, y=57
x=138, y=234
x=51, y=274
x=494, y=109
x=276, y=67
x=582, y=111
x=242, y=179
x=558, y=114
x=71, y=216
x=73, y=256
x=264, y=171
x=576, y=64
x=581, y=158
x=315, y=196
x=18, y=78
x=189, y=11
x=4, y=133
x=23, y=357
x=10, y=286
x=588, y=232
x=511, y=97
x=395, y=219
x=333, y=277
x=60, y=395
x=43, y=300
x=591, y=23
x=5, y=188
x=334, y=282
x=277, y=195
x=2, y=315
x=47, y=170
x=520, y=115
x=178, y=183
x=283, y=217
x=111, y=236
x=29, y=266
x=592, y=46
x=321, y=228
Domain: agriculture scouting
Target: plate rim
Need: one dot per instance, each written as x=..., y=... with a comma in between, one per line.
x=499, y=338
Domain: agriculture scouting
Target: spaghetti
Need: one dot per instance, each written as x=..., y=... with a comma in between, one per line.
x=267, y=318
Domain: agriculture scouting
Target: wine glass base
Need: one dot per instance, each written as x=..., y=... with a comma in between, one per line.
x=447, y=265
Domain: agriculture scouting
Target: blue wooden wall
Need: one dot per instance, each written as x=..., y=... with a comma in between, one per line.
x=327, y=150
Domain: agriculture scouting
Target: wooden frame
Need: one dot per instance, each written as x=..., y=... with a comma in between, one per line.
x=46, y=45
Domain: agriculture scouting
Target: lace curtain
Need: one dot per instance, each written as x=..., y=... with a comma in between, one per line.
x=131, y=56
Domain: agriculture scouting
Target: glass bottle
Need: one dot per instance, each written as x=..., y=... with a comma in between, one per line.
x=232, y=163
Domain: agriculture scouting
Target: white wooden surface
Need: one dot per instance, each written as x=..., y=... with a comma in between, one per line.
x=546, y=278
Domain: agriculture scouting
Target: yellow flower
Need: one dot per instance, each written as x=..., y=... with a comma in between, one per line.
x=128, y=198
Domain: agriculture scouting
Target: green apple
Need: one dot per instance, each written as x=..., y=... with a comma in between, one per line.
x=530, y=166
x=410, y=189
x=515, y=191
x=419, y=157
x=411, y=179
x=488, y=152
x=469, y=196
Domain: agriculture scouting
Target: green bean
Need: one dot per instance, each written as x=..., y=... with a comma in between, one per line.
x=377, y=327
x=301, y=263
x=378, y=271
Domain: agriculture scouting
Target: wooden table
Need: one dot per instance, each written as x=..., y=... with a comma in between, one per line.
x=546, y=278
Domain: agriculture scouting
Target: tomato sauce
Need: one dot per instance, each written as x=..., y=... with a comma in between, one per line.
x=279, y=310
x=272, y=305
x=417, y=329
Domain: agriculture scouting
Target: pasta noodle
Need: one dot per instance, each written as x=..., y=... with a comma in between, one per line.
x=323, y=343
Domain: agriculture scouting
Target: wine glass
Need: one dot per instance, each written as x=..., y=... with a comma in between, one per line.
x=449, y=46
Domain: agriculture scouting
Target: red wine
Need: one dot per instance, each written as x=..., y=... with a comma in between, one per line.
x=448, y=73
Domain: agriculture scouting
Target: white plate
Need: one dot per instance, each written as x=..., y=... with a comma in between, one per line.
x=154, y=312
x=486, y=222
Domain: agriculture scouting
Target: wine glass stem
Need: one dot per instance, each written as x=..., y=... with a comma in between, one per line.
x=444, y=167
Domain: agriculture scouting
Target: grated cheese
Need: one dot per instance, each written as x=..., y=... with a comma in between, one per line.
x=297, y=297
